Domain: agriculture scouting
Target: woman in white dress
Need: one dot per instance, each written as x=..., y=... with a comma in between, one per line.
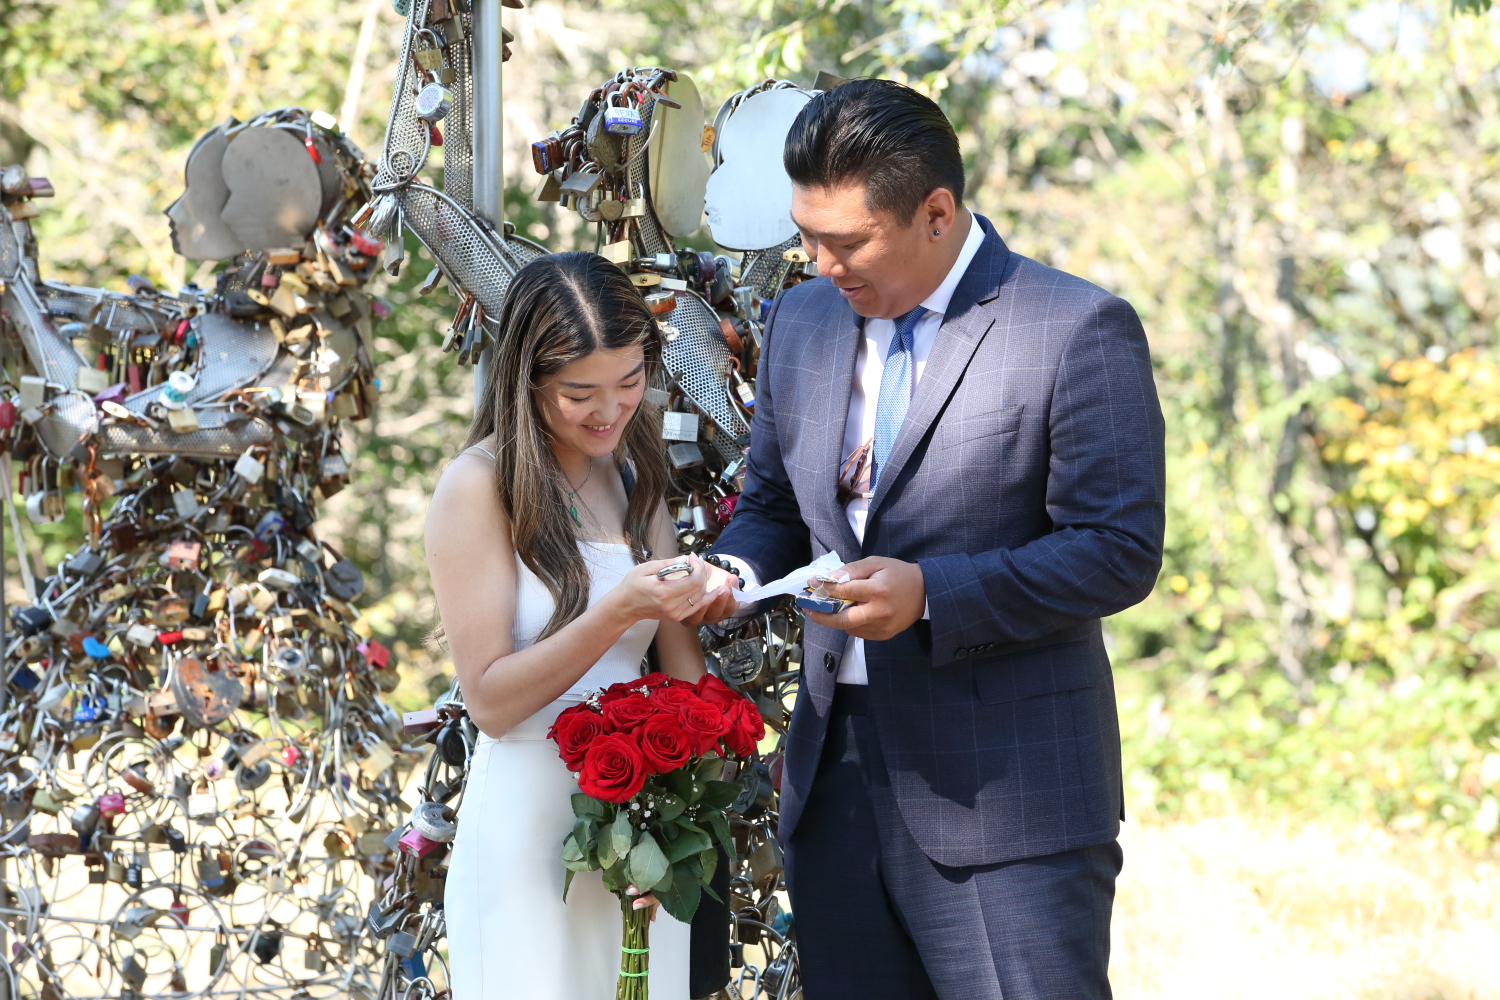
x=542, y=563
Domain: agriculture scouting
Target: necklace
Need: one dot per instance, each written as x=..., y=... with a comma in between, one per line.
x=573, y=508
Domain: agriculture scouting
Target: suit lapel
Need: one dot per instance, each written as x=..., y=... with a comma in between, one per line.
x=963, y=329
x=847, y=328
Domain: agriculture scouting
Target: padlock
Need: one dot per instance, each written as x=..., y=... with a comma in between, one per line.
x=401, y=943
x=202, y=805
x=266, y=944
x=344, y=580
x=111, y=804
x=218, y=953
x=433, y=103
x=621, y=118
x=313, y=959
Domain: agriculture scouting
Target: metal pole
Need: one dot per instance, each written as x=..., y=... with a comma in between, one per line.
x=489, y=127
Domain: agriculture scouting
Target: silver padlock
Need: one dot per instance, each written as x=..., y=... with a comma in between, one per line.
x=622, y=119
x=433, y=103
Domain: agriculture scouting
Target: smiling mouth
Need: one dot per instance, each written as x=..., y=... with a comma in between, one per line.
x=598, y=428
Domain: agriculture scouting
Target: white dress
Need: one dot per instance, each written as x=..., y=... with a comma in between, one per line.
x=510, y=936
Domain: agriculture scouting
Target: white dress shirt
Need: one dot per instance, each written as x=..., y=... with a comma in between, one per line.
x=859, y=424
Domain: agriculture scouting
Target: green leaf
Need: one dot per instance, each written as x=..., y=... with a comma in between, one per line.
x=720, y=827
x=708, y=769
x=568, y=883
x=607, y=855
x=587, y=808
x=691, y=841
x=617, y=876
x=671, y=806
x=718, y=795
x=620, y=833
x=571, y=851
x=680, y=899
x=648, y=865
x=708, y=861
x=680, y=782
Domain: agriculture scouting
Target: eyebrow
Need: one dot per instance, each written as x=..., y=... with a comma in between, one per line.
x=589, y=385
x=828, y=236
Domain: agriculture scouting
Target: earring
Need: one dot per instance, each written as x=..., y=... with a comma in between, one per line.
x=937, y=232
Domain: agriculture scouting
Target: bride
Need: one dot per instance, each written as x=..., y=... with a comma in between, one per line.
x=540, y=539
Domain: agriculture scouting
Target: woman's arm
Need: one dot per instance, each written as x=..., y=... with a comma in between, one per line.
x=473, y=564
x=677, y=648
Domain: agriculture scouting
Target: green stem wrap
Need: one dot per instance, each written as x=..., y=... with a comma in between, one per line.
x=635, y=951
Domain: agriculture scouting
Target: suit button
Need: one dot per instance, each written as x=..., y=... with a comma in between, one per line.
x=828, y=663
x=961, y=652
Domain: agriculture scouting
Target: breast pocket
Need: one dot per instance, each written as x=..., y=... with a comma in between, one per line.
x=972, y=429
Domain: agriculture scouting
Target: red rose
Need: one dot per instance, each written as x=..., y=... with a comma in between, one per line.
x=673, y=698
x=711, y=689
x=613, y=770
x=624, y=715
x=704, y=724
x=654, y=680
x=664, y=744
x=573, y=731
x=746, y=728
x=615, y=692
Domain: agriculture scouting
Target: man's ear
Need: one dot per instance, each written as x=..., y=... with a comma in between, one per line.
x=938, y=212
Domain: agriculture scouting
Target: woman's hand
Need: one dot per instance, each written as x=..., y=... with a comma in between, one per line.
x=644, y=595
x=648, y=899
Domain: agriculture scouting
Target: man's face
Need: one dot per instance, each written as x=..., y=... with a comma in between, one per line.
x=879, y=265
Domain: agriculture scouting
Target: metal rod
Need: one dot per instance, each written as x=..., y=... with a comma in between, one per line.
x=489, y=133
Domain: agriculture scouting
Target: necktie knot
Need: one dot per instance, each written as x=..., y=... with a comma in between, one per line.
x=895, y=390
x=906, y=326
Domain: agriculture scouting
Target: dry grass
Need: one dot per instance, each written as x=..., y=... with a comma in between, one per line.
x=1228, y=909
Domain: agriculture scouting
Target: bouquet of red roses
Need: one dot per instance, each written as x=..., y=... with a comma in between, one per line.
x=650, y=807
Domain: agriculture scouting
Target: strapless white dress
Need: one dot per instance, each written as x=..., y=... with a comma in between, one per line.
x=510, y=935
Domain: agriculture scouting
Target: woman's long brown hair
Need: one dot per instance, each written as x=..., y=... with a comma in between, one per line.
x=561, y=308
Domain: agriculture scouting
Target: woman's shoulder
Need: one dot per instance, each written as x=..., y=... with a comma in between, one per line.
x=465, y=492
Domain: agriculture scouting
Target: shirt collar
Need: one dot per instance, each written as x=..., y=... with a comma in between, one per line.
x=938, y=301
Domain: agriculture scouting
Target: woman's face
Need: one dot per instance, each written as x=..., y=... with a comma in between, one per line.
x=588, y=403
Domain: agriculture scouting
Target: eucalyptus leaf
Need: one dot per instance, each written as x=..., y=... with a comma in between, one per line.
x=648, y=865
x=620, y=834
x=587, y=808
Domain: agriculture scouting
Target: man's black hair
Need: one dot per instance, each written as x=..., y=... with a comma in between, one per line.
x=879, y=132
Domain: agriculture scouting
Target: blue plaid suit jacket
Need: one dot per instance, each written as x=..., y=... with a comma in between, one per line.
x=1028, y=483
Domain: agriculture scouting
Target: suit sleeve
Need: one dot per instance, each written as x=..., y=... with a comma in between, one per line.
x=767, y=531
x=1105, y=496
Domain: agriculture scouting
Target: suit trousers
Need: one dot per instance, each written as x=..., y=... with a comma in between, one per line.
x=876, y=919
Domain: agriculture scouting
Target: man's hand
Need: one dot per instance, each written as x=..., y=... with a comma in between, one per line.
x=889, y=595
x=719, y=601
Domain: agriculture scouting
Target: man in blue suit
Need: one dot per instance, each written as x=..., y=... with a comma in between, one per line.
x=978, y=437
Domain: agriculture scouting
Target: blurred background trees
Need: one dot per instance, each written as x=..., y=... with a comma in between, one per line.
x=1300, y=198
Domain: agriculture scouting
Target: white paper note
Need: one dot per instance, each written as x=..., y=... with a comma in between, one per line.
x=794, y=582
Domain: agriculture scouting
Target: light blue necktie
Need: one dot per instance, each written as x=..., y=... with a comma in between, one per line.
x=895, y=390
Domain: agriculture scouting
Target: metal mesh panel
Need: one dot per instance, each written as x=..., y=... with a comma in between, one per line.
x=649, y=236
x=54, y=356
x=404, y=133
x=698, y=360
x=766, y=272
x=468, y=249
x=10, y=249
x=119, y=312
x=458, y=131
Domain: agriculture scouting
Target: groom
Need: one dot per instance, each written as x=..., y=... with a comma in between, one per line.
x=978, y=437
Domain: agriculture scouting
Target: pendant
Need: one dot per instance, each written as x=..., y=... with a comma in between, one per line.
x=574, y=512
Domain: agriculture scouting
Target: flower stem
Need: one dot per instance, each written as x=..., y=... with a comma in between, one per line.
x=634, y=951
